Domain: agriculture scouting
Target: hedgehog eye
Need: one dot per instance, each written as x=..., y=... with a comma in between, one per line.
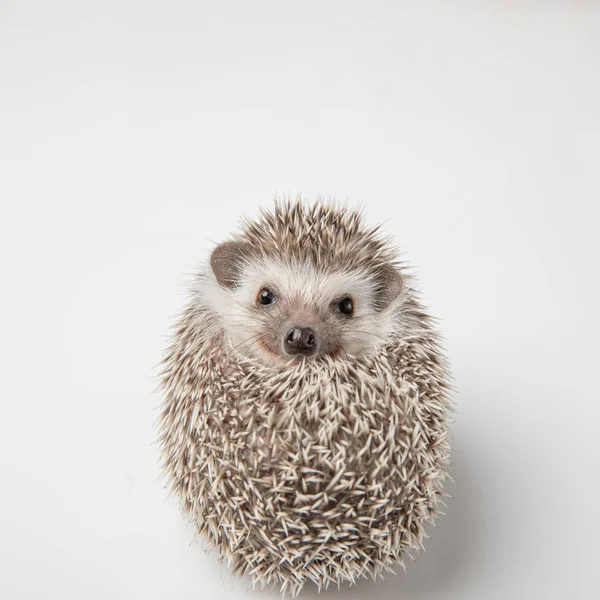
x=345, y=306
x=266, y=297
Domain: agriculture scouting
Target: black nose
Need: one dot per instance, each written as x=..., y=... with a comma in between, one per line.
x=300, y=340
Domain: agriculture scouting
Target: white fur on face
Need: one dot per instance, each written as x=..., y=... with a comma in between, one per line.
x=302, y=290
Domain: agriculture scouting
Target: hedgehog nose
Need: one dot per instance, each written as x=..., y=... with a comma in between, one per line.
x=300, y=340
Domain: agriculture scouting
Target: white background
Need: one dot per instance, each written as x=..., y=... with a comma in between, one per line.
x=134, y=134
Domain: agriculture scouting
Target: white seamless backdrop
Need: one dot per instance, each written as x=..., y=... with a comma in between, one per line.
x=133, y=134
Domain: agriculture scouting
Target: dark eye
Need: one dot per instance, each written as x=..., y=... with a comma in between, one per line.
x=345, y=306
x=266, y=296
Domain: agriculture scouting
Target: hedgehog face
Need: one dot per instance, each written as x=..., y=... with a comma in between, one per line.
x=280, y=311
x=295, y=311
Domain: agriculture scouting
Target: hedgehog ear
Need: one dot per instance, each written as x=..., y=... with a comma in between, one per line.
x=389, y=285
x=227, y=261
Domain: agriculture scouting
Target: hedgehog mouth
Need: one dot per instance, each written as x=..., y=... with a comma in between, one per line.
x=284, y=357
x=301, y=353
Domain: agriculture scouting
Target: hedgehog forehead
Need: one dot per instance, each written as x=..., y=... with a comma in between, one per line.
x=303, y=282
x=326, y=234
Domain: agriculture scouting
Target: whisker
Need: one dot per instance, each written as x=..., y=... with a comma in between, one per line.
x=369, y=333
x=253, y=339
x=256, y=341
x=247, y=315
x=245, y=341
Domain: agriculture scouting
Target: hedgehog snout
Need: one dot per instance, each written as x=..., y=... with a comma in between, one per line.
x=300, y=340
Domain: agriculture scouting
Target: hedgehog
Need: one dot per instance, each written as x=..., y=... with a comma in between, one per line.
x=306, y=401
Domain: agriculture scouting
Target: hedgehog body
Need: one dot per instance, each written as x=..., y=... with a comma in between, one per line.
x=324, y=468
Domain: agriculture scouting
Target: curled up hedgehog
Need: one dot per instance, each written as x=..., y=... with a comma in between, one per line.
x=306, y=407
